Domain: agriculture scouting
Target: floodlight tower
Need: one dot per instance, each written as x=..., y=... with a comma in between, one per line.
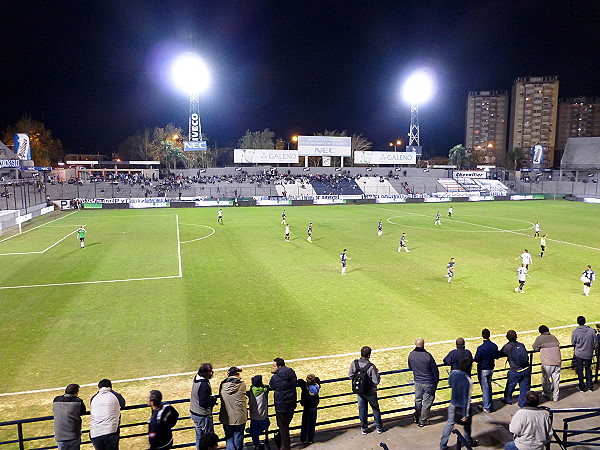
x=190, y=75
x=418, y=88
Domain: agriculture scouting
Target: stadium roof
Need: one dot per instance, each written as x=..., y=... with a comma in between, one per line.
x=581, y=154
x=5, y=152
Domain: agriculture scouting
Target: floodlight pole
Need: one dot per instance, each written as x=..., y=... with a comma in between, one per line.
x=413, y=134
x=194, y=122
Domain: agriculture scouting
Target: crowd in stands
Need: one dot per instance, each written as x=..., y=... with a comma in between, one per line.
x=531, y=425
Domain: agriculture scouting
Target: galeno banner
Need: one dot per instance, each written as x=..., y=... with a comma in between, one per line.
x=385, y=157
x=324, y=145
x=264, y=156
x=22, y=147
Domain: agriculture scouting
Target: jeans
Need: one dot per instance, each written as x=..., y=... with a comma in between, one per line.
x=551, y=381
x=106, y=441
x=256, y=429
x=203, y=424
x=523, y=379
x=309, y=422
x=452, y=412
x=73, y=444
x=485, y=379
x=283, y=422
x=363, y=413
x=584, y=367
x=424, y=397
x=510, y=446
x=234, y=436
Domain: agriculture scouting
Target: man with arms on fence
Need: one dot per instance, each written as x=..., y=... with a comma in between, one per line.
x=233, y=413
x=162, y=419
x=105, y=412
x=549, y=349
x=67, y=410
x=426, y=376
x=455, y=356
x=284, y=382
x=520, y=369
x=365, y=378
x=485, y=357
x=530, y=425
x=583, y=339
x=202, y=402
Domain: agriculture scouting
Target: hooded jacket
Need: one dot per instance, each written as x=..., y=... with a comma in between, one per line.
x=583, y=339
x=234, y=408
x=549, y=348
x=283, y=382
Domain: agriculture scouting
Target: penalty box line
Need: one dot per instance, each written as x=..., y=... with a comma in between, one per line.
x=35, y=228
x=246, y=366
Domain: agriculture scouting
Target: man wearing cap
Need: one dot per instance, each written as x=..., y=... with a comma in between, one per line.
x=233, y=413
x=284, y=382
x=163, y=418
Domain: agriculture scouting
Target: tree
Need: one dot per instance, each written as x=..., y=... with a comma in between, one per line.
x=514, y=158
x=137, y=147
x=45, y=150
x=458, y=156
x=258, y=139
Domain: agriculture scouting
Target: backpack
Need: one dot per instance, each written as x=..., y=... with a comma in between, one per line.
x=361, y=382
x=519, y=355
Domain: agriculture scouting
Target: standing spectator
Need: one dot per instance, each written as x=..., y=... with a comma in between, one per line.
x=105, y=412
x=233, y=413
x=309, y=399
x=485, y=357
x=162, y=419
x=426, y=376
x=551, y=359
x=368, y=372
x=520, y=370
x=68, y=409
x=258, y=402
x=531, y=426
x=283, y=382
x=583, y=339
x=202, y=402
x=455, y=356
x=460, y=402
x=588, y=277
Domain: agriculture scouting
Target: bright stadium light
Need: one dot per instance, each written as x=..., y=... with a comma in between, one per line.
x=189, y=74
x=418, y=88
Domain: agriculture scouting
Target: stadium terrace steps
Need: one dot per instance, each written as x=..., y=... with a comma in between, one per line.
x=376, y=186
x=338, y=187
x=451, y=185
x=297, y=189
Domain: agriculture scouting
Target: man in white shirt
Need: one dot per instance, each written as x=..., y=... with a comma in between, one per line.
x=105, y=412
x=530, y=425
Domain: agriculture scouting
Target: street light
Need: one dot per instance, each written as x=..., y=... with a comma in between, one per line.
x=294, y=139
x=398, y=143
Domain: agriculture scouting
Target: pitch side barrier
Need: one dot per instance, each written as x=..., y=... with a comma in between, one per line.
x=336, y=408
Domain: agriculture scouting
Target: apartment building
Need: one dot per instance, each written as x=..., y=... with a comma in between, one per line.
x=577, y=117
x=486, y=125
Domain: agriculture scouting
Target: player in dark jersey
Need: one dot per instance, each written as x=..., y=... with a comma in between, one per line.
x=438, y=219
x=283, y=217
x=380, y=228
x=403, y=244
x=588, y=277
x=309, y=231
x=343, y=258
x=450, y=270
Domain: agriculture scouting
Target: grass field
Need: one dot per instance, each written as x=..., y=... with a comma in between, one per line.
x=159, y=291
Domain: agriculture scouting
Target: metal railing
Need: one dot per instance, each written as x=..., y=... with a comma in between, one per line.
x=339, y=401
x=591, y=436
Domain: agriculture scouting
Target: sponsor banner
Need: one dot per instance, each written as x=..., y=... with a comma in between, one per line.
x=469, y=174
x=214, y=203
x=480, y=198
x=22, y=147
x=194, y=146
x=537, y=155
x=385, y=157
x=324, y=145
x=150, y=205
x=437, y=199
x=591, y=200
x=457, y=194
x=351, y=197
x=328, y=201
x=264, y=156
x=273, y=202
x=521, y=197
x=9, y=163
x=390, y=200
x=35, y=168
x=24, y=218
x=92, y=206
x=415, y=148
x=326, y=161
x=195, y=132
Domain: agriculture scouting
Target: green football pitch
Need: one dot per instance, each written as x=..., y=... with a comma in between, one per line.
x=158, y=291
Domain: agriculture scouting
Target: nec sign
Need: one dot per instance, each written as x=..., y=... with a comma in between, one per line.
x=194, y=146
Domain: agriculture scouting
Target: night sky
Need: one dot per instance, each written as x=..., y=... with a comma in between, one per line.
x=94, y=71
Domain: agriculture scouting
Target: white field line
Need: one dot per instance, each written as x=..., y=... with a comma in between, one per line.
x=178, y=244
x=34, y=228
x=486, y=226
x=43, y=251
x=75, y=283
x=269, y=363
x=198, y=239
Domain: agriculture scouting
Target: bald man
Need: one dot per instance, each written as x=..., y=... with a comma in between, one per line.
x=426, y=376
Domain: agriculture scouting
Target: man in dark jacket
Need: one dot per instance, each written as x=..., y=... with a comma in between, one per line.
x=426, y=376
x=370, y=398
x=519, y=372
x=284, y=382
x=202, y=402
x=67, y=410
x=162, y=420
x=583, y=339
x=485, y=357
x=455, y=356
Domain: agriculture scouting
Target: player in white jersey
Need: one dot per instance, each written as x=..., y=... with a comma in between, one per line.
x=220, y=216
x=450, y=212
x=437, y=219
x=536, y=230
x=309, y=231
x=543, y=245
x=522, y=277
x=403, y=244
x=380, y=228
x=283, y=217
x=588, y=277
x=287, y=232
x=525, y=258
x=450, y=269
x=343, y=259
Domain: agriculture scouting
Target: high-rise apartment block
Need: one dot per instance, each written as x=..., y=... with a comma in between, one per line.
x=486, y=125
x=534, y=111
x=577, y=117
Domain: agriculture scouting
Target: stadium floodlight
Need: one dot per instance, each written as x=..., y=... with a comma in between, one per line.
x=418, y=88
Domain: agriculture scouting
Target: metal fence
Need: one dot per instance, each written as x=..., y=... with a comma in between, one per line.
x=337, y=406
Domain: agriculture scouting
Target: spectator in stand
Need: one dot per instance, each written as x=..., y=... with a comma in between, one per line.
x=105, y=412
x=162, y=419
x=209, y=441
x=68, y=409
x=284, y=382
x=583, y=339
x=426, y=376
x=520, y=370
x=551, y=359
x=258, y=402
x=309, y=399
x=202, y=402
x=234, y=410
x=530, y=425
x=485, y=357
x=460, y=402
x=455, y=356
x=370, y=397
